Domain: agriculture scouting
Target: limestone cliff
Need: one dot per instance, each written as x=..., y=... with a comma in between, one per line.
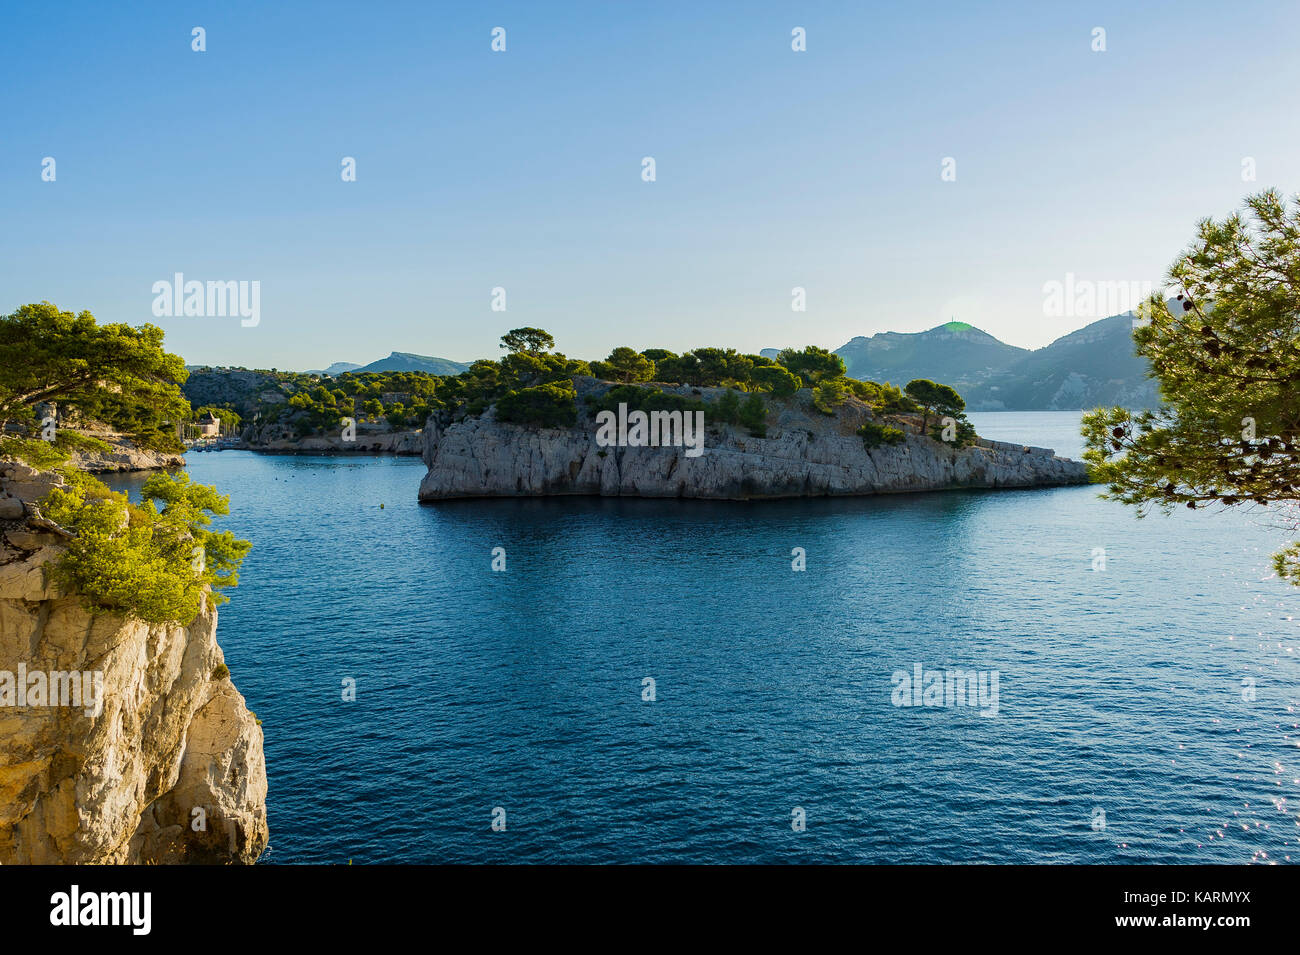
x=170, y=768
x=805, y=453
x=123, y=455
x=276, y=439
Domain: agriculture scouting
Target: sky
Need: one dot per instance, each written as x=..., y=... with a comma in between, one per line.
x=522, y=169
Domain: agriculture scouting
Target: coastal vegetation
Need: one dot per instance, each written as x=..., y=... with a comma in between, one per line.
x=534, y=385
x=874, y=435
x=157, y=560
x=159, y=564
x=305, y=404
x=1225, y=350
x=113, y=375
x=136, y=559
x=56, y=364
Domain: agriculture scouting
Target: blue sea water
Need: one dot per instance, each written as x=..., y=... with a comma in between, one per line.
x=1120, y=689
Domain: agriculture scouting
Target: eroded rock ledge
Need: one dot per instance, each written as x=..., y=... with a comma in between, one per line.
x=122, y=455
x=805, y=454
x=173, y=735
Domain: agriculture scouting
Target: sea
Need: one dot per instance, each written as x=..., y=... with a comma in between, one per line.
x=1011, y=676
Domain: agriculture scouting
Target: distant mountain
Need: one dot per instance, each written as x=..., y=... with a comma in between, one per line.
x=405, y=361
x=1093, y=366
x=956, y=354
x=338, y=368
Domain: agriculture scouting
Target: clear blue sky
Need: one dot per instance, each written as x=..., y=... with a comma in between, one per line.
x=523, y=169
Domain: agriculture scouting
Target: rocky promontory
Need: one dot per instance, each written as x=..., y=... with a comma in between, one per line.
x=804, y=453
x=160, y=761
x=121, y=454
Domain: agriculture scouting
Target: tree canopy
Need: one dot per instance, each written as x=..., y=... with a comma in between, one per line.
x=934, y=399
x=812, y=364
x=111, y=373
x=1226, y=352
x=625, y=364
x=531, y=341
x=158, y=565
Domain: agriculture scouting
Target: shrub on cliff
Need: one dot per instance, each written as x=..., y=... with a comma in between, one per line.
x=75, y=441
x=553, y=405
x=643, y=399
x=42, y=455
x=753, y=415
x=960, y=434
x=775, y=379
x=891, y=400
x=139, y=560
x=874, y=435
x=828, y=394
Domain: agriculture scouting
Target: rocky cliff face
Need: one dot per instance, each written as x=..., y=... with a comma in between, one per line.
x=162, y=764
x=123, y=456
x=275, y=440
x=804, y=454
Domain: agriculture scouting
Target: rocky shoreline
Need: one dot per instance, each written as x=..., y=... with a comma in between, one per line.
x=122, y=456
x=408, y=443
x=805, y=453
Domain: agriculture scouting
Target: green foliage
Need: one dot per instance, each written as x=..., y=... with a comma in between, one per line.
x=934, y=399
x=138, y=560
x=775, y=379
x=551, y=405
x=111, y=373
x=723, y=366
x=874, y=435
x=868, y=392
x=963, y=432
x=230, y=418
x=891, y=400
x=1226, y=353
x=753, y=415
x=812, y=364
x=314, y=405
x=624, y=364
x=532, y=341
x=1287, y=563
x=828, y=394
x=750, y=413
x=75, y=441
x=643, y=399
x=727, y=408
x=705, y=368
x=221, y=672
x=43, y=455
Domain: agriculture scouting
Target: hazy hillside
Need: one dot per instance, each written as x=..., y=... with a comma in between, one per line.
x=1091, y=367
x=405, y=361
x=338, y=368
x=956, y=354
